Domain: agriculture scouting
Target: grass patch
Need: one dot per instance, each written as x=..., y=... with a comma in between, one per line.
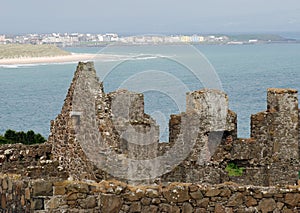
x=234, y=170
x=29, y=50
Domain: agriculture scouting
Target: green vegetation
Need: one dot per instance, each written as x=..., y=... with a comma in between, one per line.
x=12, y=137
x=261, y=37
x=29, y=50
x=234, y=170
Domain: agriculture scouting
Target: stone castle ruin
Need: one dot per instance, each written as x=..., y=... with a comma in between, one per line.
x=204, y=137
x=101, y=141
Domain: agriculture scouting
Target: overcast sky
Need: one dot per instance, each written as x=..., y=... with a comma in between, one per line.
x=145, y=16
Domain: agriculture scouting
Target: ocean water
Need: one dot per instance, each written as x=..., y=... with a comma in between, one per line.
x=247, y=71
x=32, y=96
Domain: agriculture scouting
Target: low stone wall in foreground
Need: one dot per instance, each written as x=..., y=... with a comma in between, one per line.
x=18, y=195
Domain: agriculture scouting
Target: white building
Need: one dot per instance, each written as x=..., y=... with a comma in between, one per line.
x=100, y=37
x=252, y=41
x=2, y=38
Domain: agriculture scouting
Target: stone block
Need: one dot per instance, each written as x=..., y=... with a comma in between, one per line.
x=155, y=201
x=165, y=207
x=292, y=199
x=250, y=201
x=132, y=196
x=135, y=207
x=200, y=210
x=219, y=208
x=225, y=193
x=59, y=190
x=146, y=201
x=71, y=196
x=88, y=203
x=110, y=203
x=212, y=192
x=54, y=203
x=3, y=201
x=78, y=187
x=27, y=193
x=150, y=209
x=23, y=200
x=197, y=195
x=267, y=205
x=4, y=184
x=177, y=194
x=42, y=188
x=236, y=200
x=152, y=193
x=203, y=203
x=37, y=204
x=187, y=208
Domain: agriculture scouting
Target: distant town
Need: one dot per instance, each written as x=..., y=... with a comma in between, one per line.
x=87, y=39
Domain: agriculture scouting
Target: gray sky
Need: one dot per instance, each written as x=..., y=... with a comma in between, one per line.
x=155, y=16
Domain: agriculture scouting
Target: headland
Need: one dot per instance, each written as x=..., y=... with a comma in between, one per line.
x=20, y=54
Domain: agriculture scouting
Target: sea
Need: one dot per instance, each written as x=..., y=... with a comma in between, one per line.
x=32, y=95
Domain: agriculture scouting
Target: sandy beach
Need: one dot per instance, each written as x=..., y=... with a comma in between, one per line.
x=55, y=59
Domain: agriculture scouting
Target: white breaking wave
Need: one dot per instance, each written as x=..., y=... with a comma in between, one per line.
x=14, y=66
x=133, y=57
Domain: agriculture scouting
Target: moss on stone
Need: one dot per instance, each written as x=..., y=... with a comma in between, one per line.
x=234, y=170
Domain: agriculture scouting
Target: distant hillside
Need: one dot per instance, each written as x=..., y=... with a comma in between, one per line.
x=28, y=50
x=261, y=37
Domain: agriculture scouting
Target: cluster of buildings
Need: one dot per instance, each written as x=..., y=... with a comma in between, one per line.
x=87, y=39
x=175, y=39
x=59, y=39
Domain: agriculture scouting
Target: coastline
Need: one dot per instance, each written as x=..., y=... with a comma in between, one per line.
x=74, y=57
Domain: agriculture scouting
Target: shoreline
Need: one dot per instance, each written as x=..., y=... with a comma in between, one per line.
x=74, y=57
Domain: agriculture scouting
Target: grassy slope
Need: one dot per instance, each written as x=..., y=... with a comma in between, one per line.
x=262, y=37
x=28, y=50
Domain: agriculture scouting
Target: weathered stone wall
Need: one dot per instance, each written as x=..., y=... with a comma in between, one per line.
x=210, y=124
x=299, y=131
x=92, y=123
x=205, y=136
x=269, y=157
x=19, y=195
x=278, y=127
x=138, y=132
x=65, y=148
x=276, y=134
x=32, y=161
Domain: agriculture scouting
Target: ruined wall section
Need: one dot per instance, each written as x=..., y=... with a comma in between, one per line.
x=285, y=127
x=65, y=148
x=205, y=135
x=269, y=157
x=276, y=132
x=216, y=122
x=93, y=124
x=278, y=127
x=284, y=135
x=138, y=132
x=34, y=161
x=212, y=124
